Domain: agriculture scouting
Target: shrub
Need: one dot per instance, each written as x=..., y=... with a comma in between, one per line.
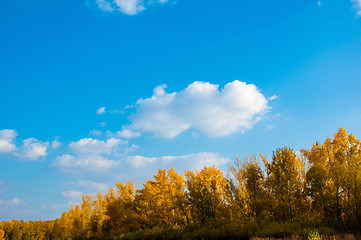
x=314, y=235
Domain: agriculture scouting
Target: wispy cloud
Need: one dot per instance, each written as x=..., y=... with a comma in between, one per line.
x=75, y=163
x=56, y=144
x=274, y=97
x=201, y=106
x=96, y=132
x=90, y=185
x=127, y=133
x=101, y=110
x=196, y=160
x=357, y=6
x=72, y=194
x=104, y=5
x=11, y=202
x=129, y=7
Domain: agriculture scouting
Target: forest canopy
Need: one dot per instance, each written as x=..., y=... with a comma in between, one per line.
x=290, y=194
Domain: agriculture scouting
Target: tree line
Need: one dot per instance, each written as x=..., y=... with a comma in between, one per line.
x=292, y=192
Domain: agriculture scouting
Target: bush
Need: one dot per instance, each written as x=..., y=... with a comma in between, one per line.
x=314, y=235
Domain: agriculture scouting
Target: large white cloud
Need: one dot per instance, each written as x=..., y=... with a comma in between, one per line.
x=201, y=106
x=130, y=7
x=6, y=140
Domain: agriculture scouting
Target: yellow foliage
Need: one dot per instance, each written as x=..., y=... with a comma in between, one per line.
x=2, y=234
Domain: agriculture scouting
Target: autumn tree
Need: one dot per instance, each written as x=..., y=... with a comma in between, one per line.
x=121, y=209
x=207, y=194
x=2, y=234
x=353, y=181
x=162, y=200
x=285, y=183
x=98, y=216
x=251, y=187
x=334, y=177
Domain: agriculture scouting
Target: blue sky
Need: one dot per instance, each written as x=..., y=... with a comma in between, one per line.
x=99, y=91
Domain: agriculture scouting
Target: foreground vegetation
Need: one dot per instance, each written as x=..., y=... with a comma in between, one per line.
x=312, y=193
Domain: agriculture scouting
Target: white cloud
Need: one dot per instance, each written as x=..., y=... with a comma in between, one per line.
x=14, y=201
x=101, y=110
x=127, y=133
x=72, y=194
x=56, y=144
x=96, y=132
x=129, y=7
x=32, y=149
x=274, y=97
x=104, y=5
x=117, y=111
x=160, y=90
x=30, y=211
x=131, y=148
x=69, y=162
x=357, y=6
x=140, y=161
x=6, y=138
x=57, y=206
x=89, y=154
x=103, y=124
x=96, y=186
x=196, y=160
x=271, y=121
x=95, y=146
x=201, y=106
